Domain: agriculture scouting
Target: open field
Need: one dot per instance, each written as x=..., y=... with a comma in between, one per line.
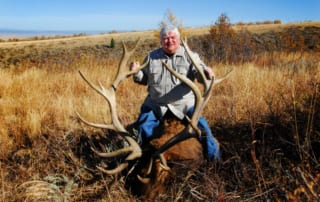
x=103, y=38
x=266, y=117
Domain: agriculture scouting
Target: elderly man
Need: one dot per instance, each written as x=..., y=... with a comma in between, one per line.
x=166, y=93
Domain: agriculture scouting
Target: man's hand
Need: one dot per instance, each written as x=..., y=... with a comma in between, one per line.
x=209, y=73
x=134, y=65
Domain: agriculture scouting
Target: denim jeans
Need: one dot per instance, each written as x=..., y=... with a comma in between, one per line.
x=148, y=121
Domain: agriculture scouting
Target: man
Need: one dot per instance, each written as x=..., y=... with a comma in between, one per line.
x=166, y=93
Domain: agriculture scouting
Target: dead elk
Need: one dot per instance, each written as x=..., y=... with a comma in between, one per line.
x=152, y=164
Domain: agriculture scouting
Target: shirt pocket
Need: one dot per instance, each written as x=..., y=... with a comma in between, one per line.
x=182, y=66
x=181, y=69
x=155, y=76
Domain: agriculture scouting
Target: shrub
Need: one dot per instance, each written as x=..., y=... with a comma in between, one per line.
x=112, y=43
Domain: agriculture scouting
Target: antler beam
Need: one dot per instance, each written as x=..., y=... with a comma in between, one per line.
x=200, y=99
x=109, y=94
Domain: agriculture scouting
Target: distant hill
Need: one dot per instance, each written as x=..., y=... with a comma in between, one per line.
x=25, y=34
x=104, y=38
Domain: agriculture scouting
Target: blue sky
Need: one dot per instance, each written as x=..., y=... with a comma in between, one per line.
x=127, y=15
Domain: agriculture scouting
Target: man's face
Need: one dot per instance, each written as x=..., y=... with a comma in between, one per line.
x=170, y=43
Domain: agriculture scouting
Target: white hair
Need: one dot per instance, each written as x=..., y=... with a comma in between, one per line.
x=169, y=28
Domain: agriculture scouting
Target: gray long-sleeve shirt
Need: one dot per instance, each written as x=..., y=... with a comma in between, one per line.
x=165, y=91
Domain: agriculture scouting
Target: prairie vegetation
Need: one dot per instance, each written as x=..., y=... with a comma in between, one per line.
x=266, y=116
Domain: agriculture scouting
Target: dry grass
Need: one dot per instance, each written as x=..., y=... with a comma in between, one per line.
x=265, y=116
x=36, y=101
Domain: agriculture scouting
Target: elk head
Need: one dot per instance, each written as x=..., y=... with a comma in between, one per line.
x=175, y=142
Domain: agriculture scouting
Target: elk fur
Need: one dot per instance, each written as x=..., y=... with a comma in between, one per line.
x=188, y=152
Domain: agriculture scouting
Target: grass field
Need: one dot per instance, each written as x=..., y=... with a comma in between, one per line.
x=266, y=118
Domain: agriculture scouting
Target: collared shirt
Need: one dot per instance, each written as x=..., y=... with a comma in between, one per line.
x=165, y=91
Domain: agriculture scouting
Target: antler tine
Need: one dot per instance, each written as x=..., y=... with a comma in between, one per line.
x=135, y=153
x=116, y=170
x=109, y=95
x=196, y=91
x=96, y=125
x=163, y=166
x=123, y=70
x=134, y=149
x=146, y=180
x=207, y=83
x=215, y=82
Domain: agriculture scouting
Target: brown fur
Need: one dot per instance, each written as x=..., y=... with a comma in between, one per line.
x=190, y=149
x=189, y=152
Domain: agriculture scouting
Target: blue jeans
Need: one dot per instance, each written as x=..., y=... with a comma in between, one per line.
x=148, y=121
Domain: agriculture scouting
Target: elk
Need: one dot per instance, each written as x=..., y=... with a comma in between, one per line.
x=150, y=165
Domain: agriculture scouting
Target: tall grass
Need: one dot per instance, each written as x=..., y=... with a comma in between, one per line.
x=37, y=101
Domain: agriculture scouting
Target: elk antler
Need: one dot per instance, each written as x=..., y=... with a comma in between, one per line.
x=200, y=99
x=110, y=96
x=163, y=167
